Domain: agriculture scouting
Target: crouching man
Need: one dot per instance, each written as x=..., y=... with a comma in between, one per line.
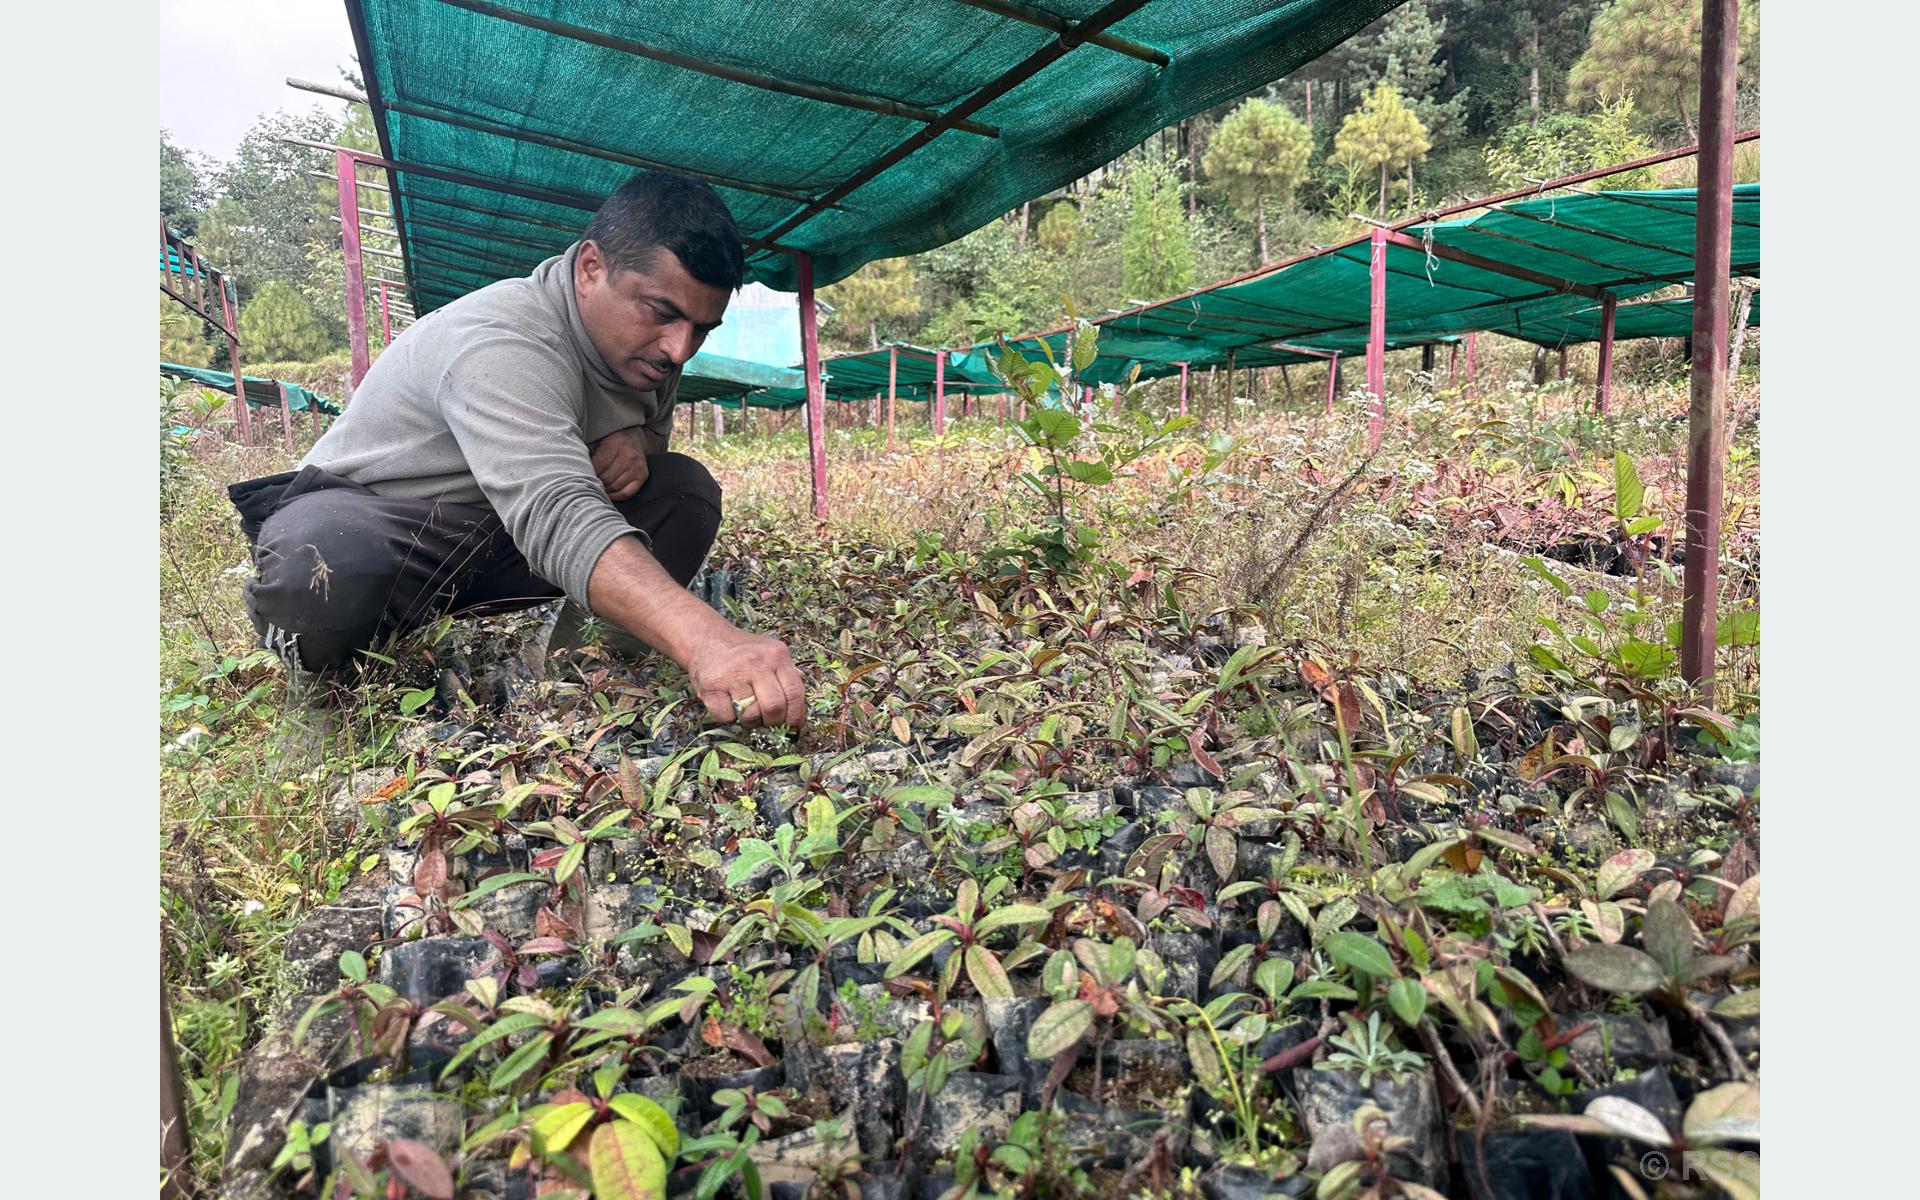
x=512, y=448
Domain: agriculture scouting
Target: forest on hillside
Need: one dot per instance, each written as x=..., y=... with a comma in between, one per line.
x=1440, y=101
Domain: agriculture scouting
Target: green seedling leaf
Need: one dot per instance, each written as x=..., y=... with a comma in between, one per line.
x=626, y=1163
x=1207, y=1067
x=1012, y=914
x=1059, y=1028
x=1628, y=492
x=556, y=1130
x=1615, y=969
x=1408, y=1000
x=988, y=976
x=1361, y=953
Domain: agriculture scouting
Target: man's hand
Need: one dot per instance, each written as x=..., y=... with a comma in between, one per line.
x=619, y=463
x=742, y=677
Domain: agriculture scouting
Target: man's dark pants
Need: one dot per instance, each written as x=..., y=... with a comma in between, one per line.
x=341, y=569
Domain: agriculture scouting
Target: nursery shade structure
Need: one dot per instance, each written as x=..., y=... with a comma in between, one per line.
x=848, y=130
x=261, y=392
x=721, y=379
x=837, y=131
x=1536, y=269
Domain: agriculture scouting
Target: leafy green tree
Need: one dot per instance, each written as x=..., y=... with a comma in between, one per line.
x=270, y=208
x=183, y=336
x=1156, y=255
x=883, y=291
x=1259, y=154
x=278, y=325
x=1060, y=230
x=1382, y=133
x=1652, y=48
x=1568, y=143
x=183, y=193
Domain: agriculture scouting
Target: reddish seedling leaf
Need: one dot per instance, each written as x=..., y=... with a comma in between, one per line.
x=421, y=1168
x=1197, y=744
x=547, y=858
x=430, y=873
x=1464, y=858
x=549, y=924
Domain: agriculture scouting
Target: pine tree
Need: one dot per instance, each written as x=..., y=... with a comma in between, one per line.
x=1652, y=48
x=278, y=325
x=1382, y=133
x=1258, y=154
x=1156, y=255
x=183, y=336
x=882, y=291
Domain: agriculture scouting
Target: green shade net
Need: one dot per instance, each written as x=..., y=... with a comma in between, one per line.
x=261, y=393
x=1629, y=243
x=720, y=379
x=462, y=85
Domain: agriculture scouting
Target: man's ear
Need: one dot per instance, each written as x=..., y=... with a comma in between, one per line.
x=590, y=265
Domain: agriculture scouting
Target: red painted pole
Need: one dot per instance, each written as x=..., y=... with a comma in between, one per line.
x=1603, y=389
x=1183, y=389
x=286, y=415
x=1377, y=341
x=816, y=386
x=1473, y=373
x=386, y=321
x=1707, y=416
x=349, y=188
x=1563, y=362
x=893, y=388
x=229, y=306
x=940, y=392
x=1333, y=380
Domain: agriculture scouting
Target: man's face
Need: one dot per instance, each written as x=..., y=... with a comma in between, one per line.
x=645, y=321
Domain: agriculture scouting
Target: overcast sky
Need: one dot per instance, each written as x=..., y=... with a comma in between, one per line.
x=251, y=49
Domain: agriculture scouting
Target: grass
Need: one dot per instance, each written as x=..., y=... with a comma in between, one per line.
x=1387, y=564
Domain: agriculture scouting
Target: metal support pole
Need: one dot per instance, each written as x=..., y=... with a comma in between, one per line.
x=816, y=386
x=1333, y=380
x=1473, y=340
x=386, y=320
x=1286, y=381
x=230, y=306
x=893, y=388
x=1377, y=341
x=1453, y=363
x=1229, y=412
x=1183, y=389
x=286, y=415
x=1563, y=362
x=940, y=392
x=1707, y=416
x=343, y=163
x=1603, y=388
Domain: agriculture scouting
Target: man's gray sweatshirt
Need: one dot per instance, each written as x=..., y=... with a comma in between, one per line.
x=494, y=400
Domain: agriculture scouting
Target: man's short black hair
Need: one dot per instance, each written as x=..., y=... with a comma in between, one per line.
x=661, y=209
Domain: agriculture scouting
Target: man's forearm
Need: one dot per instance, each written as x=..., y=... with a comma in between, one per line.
x=631, y=589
